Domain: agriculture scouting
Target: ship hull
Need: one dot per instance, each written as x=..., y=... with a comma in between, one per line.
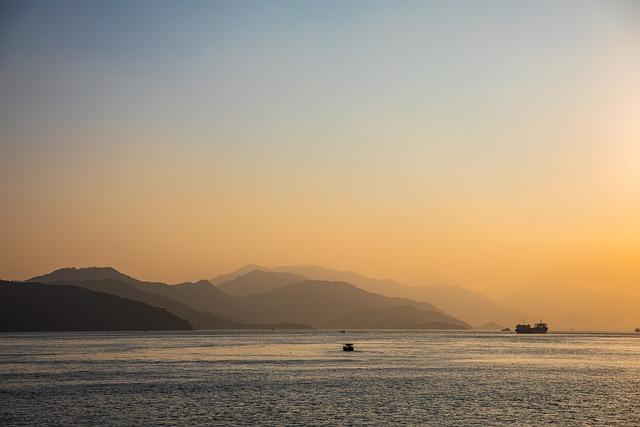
x=531, y=330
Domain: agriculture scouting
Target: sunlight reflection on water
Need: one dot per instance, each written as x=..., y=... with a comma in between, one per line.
x=293, y=377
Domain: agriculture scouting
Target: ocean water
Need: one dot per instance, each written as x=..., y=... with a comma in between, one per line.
x=304, y=377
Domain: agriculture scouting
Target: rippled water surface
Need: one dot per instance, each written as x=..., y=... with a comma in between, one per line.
x=243, y=378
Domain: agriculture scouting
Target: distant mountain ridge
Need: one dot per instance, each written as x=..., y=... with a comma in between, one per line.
x=183, y=300
x=307, y=302
x=219, y=280
x=397, y=317
x=73, y=274
x=198, y=319
x=470, y=306
x=259, y=281
x=208, y=306
x=318, y=303
x=40, y=307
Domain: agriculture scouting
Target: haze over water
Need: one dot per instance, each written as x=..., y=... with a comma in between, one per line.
x=399, y=377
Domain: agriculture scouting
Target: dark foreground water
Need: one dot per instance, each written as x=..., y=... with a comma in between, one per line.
x=246, y=378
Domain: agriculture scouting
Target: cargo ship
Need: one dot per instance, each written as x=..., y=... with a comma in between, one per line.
x=538, y=328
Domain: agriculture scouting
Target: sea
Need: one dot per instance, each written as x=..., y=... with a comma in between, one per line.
x=303, y=377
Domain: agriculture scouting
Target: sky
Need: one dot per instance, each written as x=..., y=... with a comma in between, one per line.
x=492, y=145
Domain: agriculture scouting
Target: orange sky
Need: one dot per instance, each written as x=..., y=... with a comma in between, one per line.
x=492, y=151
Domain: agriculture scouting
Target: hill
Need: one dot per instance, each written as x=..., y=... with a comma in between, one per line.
x=315, y=272
x=313, y=303
x=470, y=306
x=202, y=295
x=198, y=319
x=39, y=307
x=398, y=317
x=309, y=302
x=72, y=274
x=189, y=301
x=259, y=281
x=219, y=280
x=318, y=303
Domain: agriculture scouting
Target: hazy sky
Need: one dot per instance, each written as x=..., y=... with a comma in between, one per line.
x=491, y=144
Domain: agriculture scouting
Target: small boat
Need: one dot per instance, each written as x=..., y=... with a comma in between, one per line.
x=637, y=329
x=342, y=332
x=348, y=347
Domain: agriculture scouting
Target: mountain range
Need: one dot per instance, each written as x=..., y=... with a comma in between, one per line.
x=199, y=319
x=38, y=307
x=313, y=296
x=261, y=298
x=156, y=294
x=563, y=307
x=259, y=281
x=472, y=307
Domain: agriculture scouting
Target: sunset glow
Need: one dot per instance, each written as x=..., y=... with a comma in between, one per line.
x=488, y=146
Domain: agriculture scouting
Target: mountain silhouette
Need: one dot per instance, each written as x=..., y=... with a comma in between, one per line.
x=307, y=302
x=192, y=295
x=219, y=280
x=202, y=295
x=40, y=307
x=198, y=319
x=186, y=300
x=72, y=274
x=318, y=303
x=474, y=307
x=313, y=303
x=259, y=281
x=398, y=317
x=470, y=306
